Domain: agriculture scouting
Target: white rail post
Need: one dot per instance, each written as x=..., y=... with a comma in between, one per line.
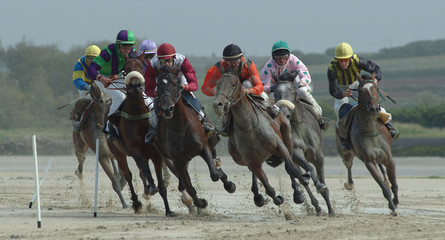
x=96, y=181
x=36, y=168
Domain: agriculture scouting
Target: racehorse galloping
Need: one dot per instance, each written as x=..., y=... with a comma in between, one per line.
x=370, y=142
x=182, y=137
x=306, y=134
x=90, y=129
x=133, y=125
x=254, y=136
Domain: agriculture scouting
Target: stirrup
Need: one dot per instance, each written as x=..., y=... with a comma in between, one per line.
x=324, y=123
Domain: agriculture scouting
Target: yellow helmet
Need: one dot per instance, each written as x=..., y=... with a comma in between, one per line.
x=343, y=51
x=92, y=51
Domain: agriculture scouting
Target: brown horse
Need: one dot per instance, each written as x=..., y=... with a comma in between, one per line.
x=254, y=136
x=90, y=129
x=182, y=137
x=133, y=125
x=306, y=134
x=370, y=142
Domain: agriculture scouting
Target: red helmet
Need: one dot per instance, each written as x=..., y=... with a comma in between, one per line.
x=166, y=51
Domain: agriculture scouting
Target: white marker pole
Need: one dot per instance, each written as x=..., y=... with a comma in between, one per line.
x=97, y=172
x=41, y=180
x=36, y=166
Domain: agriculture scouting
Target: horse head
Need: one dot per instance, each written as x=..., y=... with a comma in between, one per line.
x=368, y=97
x=168, y=88
x=133, y=64
x=285, y=93
x=228, y=92
x=133, y=82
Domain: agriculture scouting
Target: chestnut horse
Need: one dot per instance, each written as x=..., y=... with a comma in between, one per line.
x=182, y=137
x=132, y=121
x=90, y=129
x=255, y=136
x=306, y=134
x=370, y=142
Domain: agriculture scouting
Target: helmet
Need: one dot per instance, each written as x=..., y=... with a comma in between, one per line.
x=280, y=48
x=343, y=51
x=148, y=47
x=92, y=51
x=166, y=51
x=125, y=37
x=232, y=51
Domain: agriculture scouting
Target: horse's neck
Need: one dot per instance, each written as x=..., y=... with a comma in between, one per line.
x=180, y=116
x=134, y=105
x=244, y=113
x=299, y=112
x=98, y=113
x=367, y=122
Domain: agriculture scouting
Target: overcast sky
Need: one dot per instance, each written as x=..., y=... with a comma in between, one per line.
x=204, y=27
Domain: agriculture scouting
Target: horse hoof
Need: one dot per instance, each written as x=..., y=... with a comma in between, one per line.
x=230, y=187
x=137, y=206
x=321, y=188
x=202, y=203
x=395, y=213
x=298, y=198
x=171, y=214
x=278, y=200
x=153, y=190
x=259, y=200
x=349, y=186
x=146, y=196
x=78, y=174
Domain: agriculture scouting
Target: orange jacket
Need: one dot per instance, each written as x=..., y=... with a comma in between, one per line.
x=248, y=71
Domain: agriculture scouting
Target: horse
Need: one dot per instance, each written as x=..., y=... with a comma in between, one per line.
x=306, y=135
x=182, y=137
x=132, y=121
x=90, y=129
x=255, y=136
x=370, y=142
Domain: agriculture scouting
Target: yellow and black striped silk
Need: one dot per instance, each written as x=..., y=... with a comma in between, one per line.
x=348, y=76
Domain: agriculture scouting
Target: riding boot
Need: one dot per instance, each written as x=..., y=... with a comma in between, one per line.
x=151, y=135
x=274, y=110
x=392, y=130
x=345, y=144
x=208, y=127
x=324, y=123
x=112, y=131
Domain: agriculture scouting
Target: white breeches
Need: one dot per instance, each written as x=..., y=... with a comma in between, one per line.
x=305, y=93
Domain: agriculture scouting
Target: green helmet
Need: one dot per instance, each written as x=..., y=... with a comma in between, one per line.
x=125, y=37
x=280, y=48
x=343, y=51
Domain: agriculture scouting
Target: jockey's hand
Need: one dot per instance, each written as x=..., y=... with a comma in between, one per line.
x=347, y=93
x=303, y=84
x=185, y=87
x=375, y=80
x=247, y=91
x=105, y=81
x=113, y=77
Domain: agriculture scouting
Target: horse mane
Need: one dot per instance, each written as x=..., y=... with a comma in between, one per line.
x=285, y=77
x=134, y=74
x=166, y=69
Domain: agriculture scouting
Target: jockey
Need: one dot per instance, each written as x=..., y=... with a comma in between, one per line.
x=283, y=61
x=342, y=77
x=181, y=67
x=148, y=48
x=81, y=79
x=111, y=62
x=247, y=72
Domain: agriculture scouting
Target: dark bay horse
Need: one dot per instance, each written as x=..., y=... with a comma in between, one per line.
x=306, y=135
x=133, y=125
x=254, y=136
x=90, y=129
x=182, y=137
x=370, y=142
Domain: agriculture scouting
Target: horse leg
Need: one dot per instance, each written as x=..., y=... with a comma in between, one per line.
x=298, y=158
x=228, y=185
x=184, y=176
x=258, y=199
x=347, y=161
x=123, y=166
x=385, y=178
x=372, y=168
x=157, y=162
x=319, y=166
x=185, y=197
x=207, y=156
x=298, y=199
x=80, y=148
x=259, y=173
x=391, y=169
x=145, y=168
x=105, y=163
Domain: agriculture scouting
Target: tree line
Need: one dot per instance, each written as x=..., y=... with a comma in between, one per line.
x=37, y=79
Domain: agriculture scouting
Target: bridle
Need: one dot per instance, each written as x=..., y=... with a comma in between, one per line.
x=166, y=94
x=232, y=100
x=366, y=103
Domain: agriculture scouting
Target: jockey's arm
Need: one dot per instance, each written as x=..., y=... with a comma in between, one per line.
x=190, y=76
